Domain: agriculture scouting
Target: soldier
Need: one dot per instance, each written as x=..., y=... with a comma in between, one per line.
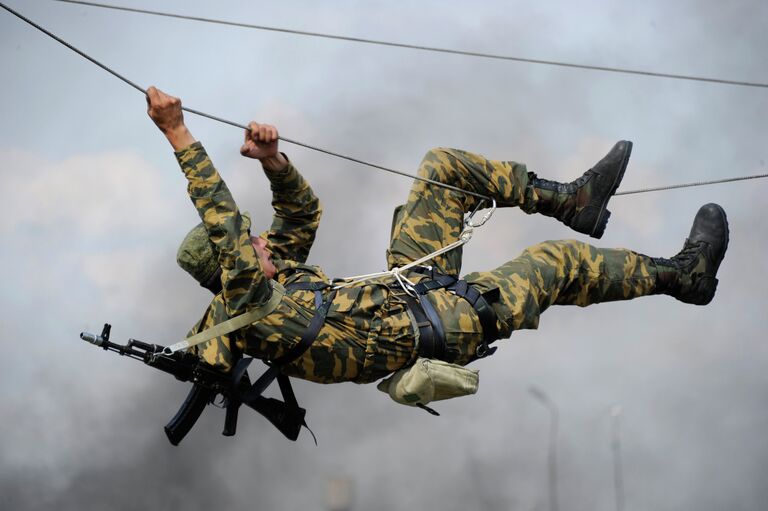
x=373, y=328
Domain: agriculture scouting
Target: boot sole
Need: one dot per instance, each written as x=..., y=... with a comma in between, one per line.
x=602, y=217
x=727, y=235
x=725, y=249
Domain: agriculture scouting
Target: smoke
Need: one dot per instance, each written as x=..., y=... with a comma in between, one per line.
x=94, y=208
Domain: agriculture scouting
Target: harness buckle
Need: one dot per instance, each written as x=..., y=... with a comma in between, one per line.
x=483, y=350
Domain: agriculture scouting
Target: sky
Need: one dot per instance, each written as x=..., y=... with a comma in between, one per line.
x=94, y=207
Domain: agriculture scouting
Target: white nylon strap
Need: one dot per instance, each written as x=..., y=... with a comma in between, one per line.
x=232, y=324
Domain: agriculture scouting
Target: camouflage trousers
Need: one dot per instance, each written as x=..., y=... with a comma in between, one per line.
x=551, y=273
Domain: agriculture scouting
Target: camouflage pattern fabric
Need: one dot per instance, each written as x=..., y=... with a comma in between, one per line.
x=368, y=332
x=553, y=272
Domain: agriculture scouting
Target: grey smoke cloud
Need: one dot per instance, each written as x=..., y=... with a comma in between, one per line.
x=95, y=206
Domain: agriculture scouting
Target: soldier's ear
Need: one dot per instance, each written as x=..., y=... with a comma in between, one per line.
x=247, y=221
x=213, y=284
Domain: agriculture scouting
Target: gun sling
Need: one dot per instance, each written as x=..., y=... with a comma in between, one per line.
x=232, y=324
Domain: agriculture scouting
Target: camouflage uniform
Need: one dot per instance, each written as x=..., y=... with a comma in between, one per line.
x=553, y=272
x=368, y=332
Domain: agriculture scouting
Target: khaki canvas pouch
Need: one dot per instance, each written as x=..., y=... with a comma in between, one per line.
x=430, y=380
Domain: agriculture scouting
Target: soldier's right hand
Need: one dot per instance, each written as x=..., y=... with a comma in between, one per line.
x=261, y=142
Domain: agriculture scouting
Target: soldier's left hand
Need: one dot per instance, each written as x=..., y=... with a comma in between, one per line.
x=165, y=110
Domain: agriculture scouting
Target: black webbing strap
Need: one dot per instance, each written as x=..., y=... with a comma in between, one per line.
x=309, y=286
x=306, y=286
x=310, y=334
x=440, y=351
x=438, y=281
x=462, y=288
x=485, y=314
x=290, y=400
x=429, y=345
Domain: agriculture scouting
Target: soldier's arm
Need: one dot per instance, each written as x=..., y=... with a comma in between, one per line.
x=297, y=209
x=243, y=281
x=296, y=218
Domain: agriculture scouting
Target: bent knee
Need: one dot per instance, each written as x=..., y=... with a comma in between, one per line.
x=437, y=153
x=439, y=163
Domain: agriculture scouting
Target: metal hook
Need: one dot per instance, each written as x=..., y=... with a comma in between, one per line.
x=468, y=222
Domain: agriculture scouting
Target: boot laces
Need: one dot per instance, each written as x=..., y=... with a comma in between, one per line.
x=581, y=181
x=689, y=254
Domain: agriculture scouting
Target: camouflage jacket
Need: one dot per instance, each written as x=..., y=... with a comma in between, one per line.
x=367, y=333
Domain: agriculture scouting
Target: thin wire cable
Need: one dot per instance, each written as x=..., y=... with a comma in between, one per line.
x=85, y=56
x=331, y=153
x=690, y=185
x=422, y=48
x=238, y=125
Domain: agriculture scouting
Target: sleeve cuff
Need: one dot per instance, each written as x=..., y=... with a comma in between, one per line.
x=189, y=155
x=282, y=176
x=191, y=147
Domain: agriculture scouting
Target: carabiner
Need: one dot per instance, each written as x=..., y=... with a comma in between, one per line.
x=468, y=222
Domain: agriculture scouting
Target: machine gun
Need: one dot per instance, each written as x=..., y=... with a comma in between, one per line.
x=207, y=383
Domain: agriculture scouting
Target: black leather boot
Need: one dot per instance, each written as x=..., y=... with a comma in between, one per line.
x=690, y=275
x=581, y=204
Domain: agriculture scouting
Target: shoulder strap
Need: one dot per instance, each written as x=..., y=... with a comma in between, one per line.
x=439, y=281
x=310, y=334
x=232, y=324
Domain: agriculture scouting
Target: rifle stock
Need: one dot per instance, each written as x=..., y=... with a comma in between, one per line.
x=286, y=419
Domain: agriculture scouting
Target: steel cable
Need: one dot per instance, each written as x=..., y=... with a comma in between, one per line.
x=421, y=47
x=690, y=185
x=332, y=153
x=238, y=125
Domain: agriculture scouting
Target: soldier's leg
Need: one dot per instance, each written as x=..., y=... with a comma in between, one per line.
x=582, y=204
x=433, y=216
x=575, y=273
x=566, y=272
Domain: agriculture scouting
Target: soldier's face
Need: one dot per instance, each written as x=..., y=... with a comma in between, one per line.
x=265, y=256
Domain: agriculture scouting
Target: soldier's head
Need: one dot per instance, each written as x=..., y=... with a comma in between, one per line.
x=261, y=246
x=200, y=258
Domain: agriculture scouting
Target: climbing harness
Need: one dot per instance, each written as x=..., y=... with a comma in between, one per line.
x=397, y=272
x=433, y=376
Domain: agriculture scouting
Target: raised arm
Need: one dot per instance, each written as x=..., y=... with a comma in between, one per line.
x=243, y=282
x=297, y=209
